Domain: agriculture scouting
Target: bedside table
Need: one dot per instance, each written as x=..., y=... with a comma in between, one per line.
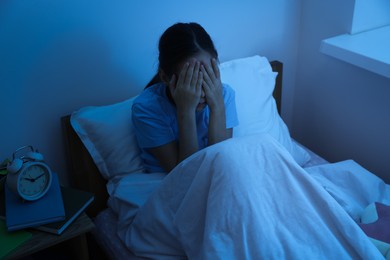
x=73, y=240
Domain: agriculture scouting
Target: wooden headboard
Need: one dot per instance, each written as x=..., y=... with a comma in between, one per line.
x=83, y=173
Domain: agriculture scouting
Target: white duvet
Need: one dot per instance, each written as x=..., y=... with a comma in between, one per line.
x=246, y=198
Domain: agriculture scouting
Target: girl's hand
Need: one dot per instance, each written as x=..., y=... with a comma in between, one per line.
x=212, y=85
x=186, y=92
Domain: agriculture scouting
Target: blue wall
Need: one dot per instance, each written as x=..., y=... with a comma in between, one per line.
x=58, y=56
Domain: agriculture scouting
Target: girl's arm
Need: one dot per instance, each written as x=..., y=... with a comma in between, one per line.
x=186, y=93
x=212, y=87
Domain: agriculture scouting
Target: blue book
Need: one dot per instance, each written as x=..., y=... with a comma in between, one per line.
x=21, y=214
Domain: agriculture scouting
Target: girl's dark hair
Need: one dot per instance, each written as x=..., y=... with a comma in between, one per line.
x=178, y=43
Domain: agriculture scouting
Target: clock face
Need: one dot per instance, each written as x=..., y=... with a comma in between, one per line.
x=33, y=181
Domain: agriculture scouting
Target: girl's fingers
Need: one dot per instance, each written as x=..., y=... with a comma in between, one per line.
x=206, y=76
x=190, y=71
x=206, y=86
x=182, y=74
x=210, y=72
x=199, y=83
x=195, y=75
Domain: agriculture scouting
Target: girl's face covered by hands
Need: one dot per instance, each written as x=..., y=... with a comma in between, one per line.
x=199, y=77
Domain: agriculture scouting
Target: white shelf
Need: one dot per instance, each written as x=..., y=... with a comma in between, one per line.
x=369, y=50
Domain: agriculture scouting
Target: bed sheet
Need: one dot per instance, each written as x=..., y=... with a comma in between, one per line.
x=225, y=201
x=317, y=167
x=107, y=238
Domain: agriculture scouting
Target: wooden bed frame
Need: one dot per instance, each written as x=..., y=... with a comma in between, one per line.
x=83, y=173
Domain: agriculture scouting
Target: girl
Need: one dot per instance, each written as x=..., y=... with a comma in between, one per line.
x=185, y=107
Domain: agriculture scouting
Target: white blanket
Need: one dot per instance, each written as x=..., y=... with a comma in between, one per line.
x=244, y=198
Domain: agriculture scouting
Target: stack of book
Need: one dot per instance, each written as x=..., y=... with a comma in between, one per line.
x=52, y=213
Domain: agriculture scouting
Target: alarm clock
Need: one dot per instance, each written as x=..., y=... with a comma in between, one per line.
x=28, y=176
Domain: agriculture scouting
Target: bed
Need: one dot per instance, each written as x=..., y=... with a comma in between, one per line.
x=93, y=166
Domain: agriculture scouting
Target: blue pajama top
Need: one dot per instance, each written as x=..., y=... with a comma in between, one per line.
x=155, y=121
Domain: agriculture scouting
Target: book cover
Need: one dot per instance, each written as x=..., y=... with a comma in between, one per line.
x=21, y=214
x=75, y=202
x=11, y=240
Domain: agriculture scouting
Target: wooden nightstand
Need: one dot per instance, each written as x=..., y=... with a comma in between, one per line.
x=73, y=241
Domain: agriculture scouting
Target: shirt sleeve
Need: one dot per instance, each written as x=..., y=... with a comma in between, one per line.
x=230, y=107
x=151, y=124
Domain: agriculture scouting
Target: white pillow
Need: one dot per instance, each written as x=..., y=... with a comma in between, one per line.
x=253, y=80
x=107, y=133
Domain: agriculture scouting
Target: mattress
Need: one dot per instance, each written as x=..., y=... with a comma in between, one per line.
x=106, y=223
